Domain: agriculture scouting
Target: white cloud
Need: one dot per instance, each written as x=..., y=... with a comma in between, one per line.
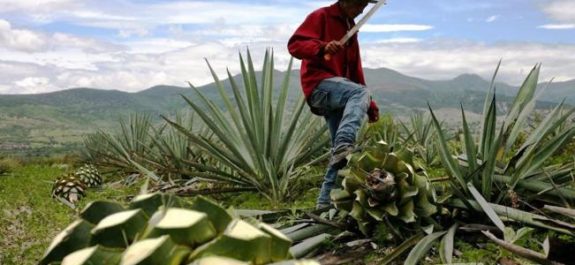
x=394, y=27
x=136, y=71
x=561, y=10
x=492, y=19
x=34, y=61
x=22, y=40
x=399, y=40
x=557, y=26
x=33, y=5
x=33, y=85
x=443, y=60
x=27, y=41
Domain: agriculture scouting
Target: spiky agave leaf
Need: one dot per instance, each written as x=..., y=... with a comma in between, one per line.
x=119, y=229
x=185, y=227
x=218, y=261
x=241, y=241
x=154, y=251
x=168, y=236
x=151, y=202
x=95, y=211
x=255, y=142
x=95, y=255
x=382, y=185
x=74, y=237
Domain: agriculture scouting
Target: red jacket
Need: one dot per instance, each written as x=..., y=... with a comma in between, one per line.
x=307, y=43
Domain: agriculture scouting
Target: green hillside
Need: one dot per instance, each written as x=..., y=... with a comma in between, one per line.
x=59, y=119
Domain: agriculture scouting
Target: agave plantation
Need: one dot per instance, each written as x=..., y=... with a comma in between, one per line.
x=418, y=192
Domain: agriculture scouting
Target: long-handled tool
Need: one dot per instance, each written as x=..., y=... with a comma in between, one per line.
x=358, y=25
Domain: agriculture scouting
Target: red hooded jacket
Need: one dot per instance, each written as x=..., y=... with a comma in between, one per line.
x=307, y=43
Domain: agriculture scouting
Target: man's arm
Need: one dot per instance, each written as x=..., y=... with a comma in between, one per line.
x=306, y=42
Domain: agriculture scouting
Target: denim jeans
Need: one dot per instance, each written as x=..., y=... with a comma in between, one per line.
x=344, y=104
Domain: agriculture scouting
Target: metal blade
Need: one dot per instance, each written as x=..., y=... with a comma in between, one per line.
x=362, y=21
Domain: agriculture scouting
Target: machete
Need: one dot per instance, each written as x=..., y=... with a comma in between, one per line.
x=358, y=25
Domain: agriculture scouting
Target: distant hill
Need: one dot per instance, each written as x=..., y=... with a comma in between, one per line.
x=59, y=118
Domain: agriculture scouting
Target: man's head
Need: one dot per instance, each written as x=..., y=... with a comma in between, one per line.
x=353, y=8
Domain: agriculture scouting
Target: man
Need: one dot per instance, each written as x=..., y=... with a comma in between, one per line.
x=332, y=80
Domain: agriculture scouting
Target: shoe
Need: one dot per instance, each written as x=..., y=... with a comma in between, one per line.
x=338, y=158
x=323, y=206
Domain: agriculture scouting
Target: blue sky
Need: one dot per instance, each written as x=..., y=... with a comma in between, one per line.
x=130, y=45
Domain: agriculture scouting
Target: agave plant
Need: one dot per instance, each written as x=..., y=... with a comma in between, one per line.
x=385, y=129
x=131, y=143
x=255, y=142
x=420, y=134
x=159, y=148
x=498, y=166
x=491, y=161
x=385, y=186
x=163, y=229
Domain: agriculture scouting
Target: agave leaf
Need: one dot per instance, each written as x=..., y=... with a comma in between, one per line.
x=391, y=209
x=160, y=250
x=524, y=96
x=74, y=237
x=448, y=161
x=306, y=231
x=94, y=212
x=520, y=216
x=406, y=212
x=523, y=252
x=407, y=191
x=421, y=249
x=218, y=261
x=339, y=194
x=424, y=207
x=560, y=210
x=95, y=255
x=469, y=143
x=398, y=251
x=357, y=211
x=446, y=245
x=376, y=214
x=490, y=163
x=351, y=183
x=308, y=245
x=486, y=207
x=543, y=154
x=241, y=241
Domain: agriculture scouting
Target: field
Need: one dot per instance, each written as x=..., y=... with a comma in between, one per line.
x=432, y=188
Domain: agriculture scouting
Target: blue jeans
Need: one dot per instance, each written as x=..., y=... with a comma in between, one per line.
x=344, y=105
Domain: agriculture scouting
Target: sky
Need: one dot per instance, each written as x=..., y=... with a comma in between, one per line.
x=131, y=45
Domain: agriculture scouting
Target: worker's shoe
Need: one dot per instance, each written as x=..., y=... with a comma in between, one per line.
x=338, y=158
x=323, y=206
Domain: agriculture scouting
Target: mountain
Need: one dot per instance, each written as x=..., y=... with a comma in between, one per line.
x=59, y=118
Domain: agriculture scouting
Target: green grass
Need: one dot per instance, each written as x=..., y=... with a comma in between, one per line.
x=29, y=218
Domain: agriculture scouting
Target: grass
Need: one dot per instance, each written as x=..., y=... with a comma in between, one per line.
x=30, y=218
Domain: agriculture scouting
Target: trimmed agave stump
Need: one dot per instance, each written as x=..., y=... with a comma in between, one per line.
x=70, y=188
x=385, y=187
x=163, y=229
x=89, y=176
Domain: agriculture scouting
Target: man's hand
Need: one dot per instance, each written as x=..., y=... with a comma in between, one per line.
x=373, y=112
x=332, y=47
